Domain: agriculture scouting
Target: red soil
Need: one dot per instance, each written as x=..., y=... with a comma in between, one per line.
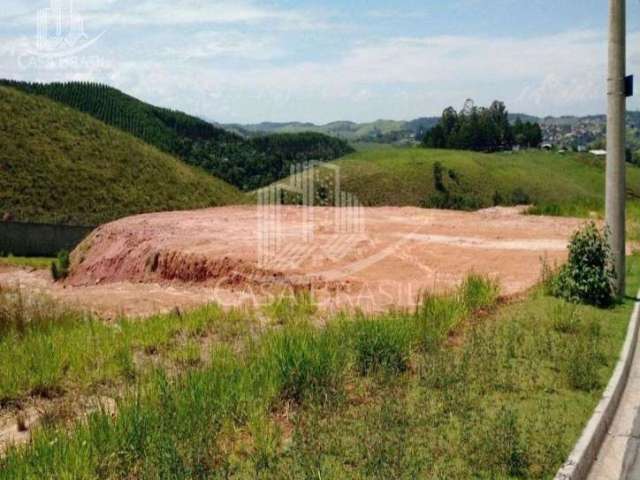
x=154, y=262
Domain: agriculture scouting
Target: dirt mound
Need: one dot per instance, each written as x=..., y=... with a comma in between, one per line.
x=370, y=257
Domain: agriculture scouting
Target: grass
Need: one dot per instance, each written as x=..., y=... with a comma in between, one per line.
x=53, y=350
x=460, y=388
x=32, y=262
x=571, y=184
x=48, y=172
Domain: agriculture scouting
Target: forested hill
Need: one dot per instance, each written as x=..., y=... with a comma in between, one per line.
x=62, y=166
x=245, y=163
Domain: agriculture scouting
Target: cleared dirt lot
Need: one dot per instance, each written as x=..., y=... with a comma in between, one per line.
x=369, y=258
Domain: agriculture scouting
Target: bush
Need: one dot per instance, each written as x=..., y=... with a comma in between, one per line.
x=60, y=267
x=520, y=197
x=589, y=274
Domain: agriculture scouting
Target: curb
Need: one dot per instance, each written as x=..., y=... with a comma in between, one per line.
x=584, y=454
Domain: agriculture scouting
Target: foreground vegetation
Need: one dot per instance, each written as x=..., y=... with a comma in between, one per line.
x=460, y=388
x=59, y=165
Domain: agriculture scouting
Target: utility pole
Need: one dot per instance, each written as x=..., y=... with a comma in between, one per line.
x=615, y=184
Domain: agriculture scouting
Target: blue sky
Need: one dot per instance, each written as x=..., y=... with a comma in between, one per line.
x=322, y=60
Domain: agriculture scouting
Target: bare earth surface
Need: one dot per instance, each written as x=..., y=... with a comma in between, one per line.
x=370, y=258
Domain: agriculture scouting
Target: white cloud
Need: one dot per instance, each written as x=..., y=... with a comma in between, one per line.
x=230, y=73
x=102, y=14
x=213, y=44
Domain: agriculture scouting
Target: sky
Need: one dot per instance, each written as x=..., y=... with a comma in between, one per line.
x=248, y=61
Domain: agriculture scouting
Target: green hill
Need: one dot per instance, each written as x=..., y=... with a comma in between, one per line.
x=60, y=165
x=245, y=163
x=380, y=131
x=556, y=183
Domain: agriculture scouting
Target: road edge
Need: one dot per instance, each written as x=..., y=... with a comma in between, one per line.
x=586, y=450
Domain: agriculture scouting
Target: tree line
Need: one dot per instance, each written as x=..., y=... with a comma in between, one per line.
x=481, y=129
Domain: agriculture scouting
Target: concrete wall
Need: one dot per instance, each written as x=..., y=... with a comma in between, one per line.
x=39, y=240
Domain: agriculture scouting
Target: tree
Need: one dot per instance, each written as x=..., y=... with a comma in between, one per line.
x=473, y=128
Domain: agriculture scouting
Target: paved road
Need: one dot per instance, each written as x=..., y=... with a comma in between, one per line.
x=619, y=457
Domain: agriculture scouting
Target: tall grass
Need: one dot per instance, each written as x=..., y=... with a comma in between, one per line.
x=51, y=349
x=378, y=396
x=302, y=362
x=172, y=426
x=382, y=344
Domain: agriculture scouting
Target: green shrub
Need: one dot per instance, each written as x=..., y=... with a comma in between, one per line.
x=588, y=275
x=60, y=267
x=520, y=197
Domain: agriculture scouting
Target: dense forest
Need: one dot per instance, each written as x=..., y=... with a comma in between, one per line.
x=481, y=129
x=245, y=163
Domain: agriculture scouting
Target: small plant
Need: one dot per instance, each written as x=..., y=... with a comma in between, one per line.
x=60, y=266
x=589, y=274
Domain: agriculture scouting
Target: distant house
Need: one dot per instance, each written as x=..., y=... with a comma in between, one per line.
x=599, y=153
